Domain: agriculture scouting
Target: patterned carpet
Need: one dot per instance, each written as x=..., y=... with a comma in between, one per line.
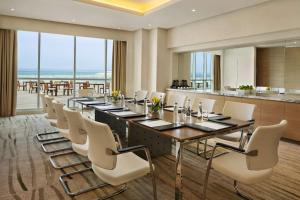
x=25, y=172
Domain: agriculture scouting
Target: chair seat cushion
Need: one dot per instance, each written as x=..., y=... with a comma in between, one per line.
x=81, y=149
x=234, y=165
x=53, y=122
x=234, y=137
x=64, y=133
x=129, y=167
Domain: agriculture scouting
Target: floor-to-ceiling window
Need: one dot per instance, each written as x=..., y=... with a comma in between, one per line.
x=28, y=54
x=201, y=70
x=60, y=65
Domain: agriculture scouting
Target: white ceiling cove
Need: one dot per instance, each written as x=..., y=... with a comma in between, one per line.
x=69, y=11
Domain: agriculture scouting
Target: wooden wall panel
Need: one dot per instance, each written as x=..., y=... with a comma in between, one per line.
x=270, y=67
x=292, y=68
x=267, y=112
x=292, y=112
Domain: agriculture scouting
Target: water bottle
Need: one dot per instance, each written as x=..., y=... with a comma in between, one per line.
x=188, y=111
x=105, y=98
x=175, y=113
x=123, y=101
x=145, y=106
x=200, y=113
x=161, y=102
x=135, y=98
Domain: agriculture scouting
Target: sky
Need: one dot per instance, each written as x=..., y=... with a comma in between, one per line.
x=57, y=52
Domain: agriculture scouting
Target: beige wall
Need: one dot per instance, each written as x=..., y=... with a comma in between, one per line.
x=164, y=68
x=25, y=24
x=152, y=60
x=274, y=20
x=238, y=67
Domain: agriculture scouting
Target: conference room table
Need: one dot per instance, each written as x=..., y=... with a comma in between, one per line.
x=160, y=139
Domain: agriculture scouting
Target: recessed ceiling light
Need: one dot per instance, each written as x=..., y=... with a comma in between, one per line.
x=149, y=25
x=12, y=9
x=295, y=42
x=194, y=10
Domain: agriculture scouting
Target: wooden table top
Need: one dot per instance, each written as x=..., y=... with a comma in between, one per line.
x=183, y=133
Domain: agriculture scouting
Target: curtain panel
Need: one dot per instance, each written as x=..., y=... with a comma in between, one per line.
x=217, y=72
x=119, y=66
x=8, y=72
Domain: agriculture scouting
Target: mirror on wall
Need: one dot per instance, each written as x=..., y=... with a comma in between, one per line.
x=269, y=66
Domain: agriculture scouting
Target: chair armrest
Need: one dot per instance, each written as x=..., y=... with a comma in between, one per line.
x=132, y=149
x=232, y=148
x=118, y=138
x=242, y=151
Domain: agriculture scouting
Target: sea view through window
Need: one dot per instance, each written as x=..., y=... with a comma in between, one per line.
x=60, y=65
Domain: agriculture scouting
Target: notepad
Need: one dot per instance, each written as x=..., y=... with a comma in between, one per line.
x=212, y=125
x=107, y=107
x=81, y=99
x=172, y=109
x=124, y=113
x=92, y=102
x=155, y=123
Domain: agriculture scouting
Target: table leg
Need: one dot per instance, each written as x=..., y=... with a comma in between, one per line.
x=178, y=179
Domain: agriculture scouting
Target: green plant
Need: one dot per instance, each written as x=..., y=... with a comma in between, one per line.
x=155, y=105
x=246, y=87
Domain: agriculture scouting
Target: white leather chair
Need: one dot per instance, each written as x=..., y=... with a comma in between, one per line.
x=239, y=111
x=176, y=98
x=89, y=92
x=252, y=165
x=158, y=95
x=115, y=167
x=61, y=125
x=77, y=135
x=50, y=111
x=44, y=109
x=140, y=95
x=40, y=136
x=207, y=104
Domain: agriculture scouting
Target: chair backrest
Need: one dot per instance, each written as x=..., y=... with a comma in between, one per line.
x=265, y=140
x=49, y=107
x=100, y=140
x=158, y=95
x=207, y=104
x=237, y=110
x=85, y=92
x=77, y=129
x=44, y=107
x=62, y=121
x=141, y=95
x=179, y=99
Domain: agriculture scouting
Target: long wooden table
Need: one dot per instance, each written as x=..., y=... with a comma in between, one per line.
x=160, y=142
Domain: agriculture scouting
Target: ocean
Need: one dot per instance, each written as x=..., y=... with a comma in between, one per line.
x=61, y=74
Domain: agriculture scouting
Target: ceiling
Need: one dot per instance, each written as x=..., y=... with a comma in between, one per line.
x=137, y=7
x=173, y=14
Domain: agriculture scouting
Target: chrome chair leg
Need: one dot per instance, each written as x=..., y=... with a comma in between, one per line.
x=152, y=173
x=205, y=151
x=72, y=194
x=54, y=164
x=55, y=142
x=236, y=189
x=40, y=139
x=207, y=173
